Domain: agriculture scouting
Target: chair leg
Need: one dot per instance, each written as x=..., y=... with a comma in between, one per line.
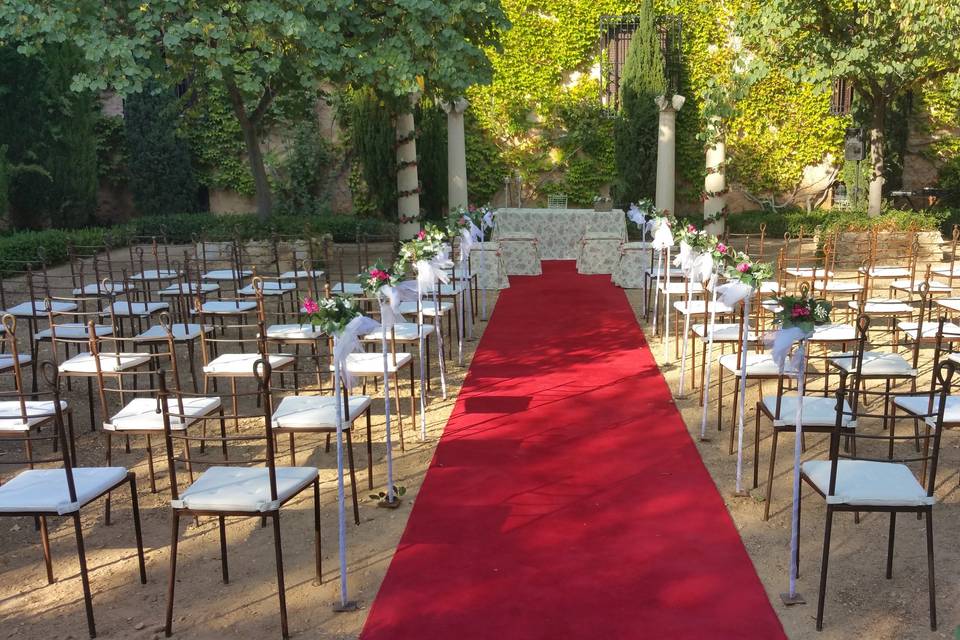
x=106, y=503
x=281, y=589
x=735, y=413
x=353, y=479
x=316, y=527
x=84, y=577
x=138, y=532
x=823, y=567
x=890, y=538
x=45, y=540
x=172, y=580
x=153, y=479
x=756, y=447
x=930, y=574
x=223, y=550
x=369, y=452
x=773, y=460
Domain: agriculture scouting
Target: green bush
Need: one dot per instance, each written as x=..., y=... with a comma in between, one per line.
x=793, y=220
x=17, y=249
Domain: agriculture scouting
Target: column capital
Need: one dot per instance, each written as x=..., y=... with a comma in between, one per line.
x=674, y=103
x=457, y=106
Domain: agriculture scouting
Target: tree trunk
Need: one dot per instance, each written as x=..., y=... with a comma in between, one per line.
x=877, y=140
x=254, y=155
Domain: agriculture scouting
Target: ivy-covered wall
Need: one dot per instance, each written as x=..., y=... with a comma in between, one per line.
x=543, y=106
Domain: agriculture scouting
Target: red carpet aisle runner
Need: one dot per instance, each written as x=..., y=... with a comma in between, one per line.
x=566, y=499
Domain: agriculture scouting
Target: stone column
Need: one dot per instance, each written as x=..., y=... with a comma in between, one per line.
x=456, y=154
x=715, y=184
x=408, y=203
x=667, y=152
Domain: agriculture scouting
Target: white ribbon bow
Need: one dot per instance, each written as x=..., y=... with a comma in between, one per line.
x=702, y=268
x=730, y=293
x=390, y=311
x=466, y=244
x=429, y=271
x=488, y=218
x=781, y=343
x=347, y=342
x=635, y=216
x=662, y=236
x=684, y=258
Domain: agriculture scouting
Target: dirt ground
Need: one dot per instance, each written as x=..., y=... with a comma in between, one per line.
x=860, y=602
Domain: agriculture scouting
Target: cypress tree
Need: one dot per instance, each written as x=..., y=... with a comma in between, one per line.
x=635, y=130
x=162, y=180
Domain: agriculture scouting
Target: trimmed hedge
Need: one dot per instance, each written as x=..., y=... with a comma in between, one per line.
x=19, y=248
x=791, y=221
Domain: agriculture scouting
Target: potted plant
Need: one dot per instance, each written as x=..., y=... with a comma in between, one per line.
x=602, y=203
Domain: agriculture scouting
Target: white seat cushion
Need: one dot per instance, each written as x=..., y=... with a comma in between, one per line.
x=770, y=286
x=101, y=288
x=945, y=271
x=226, y=274
x=269, y=288
x=429, y=307
x=920, y=406
x=156, y=274
x=347, y=289
x=951, y=331
x=294, y=332
x=45, y=490
x=37, y=411
x=227, y=307
x=887, y=272
x=701, y=307
x=818, y=411
x=85, y=363
x=38, y=308
x=371, y=364
x=880, y=306
x=189, y=288
x=181, y=332
x=808, y=272
x=867, y=483
x=404, y=331
x=834, y=333
x=935, y=286
x=676, y=288
x=758, y=364
x=142, y=414
x=6, y=360
x=301, y=274
x=241, y=364
x=837, y=286
x=245, y=489
x=954, y=357
x=126, y=309
x=723, y=332
x=316, y=413
x=875, y=363
x=74, y=331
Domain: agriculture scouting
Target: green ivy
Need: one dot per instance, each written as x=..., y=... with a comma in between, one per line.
x=111, y=150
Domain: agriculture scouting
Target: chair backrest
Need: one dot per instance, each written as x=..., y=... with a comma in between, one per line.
x=172, y=410
x=9, y=338
x=60, y=454
x=921, y=447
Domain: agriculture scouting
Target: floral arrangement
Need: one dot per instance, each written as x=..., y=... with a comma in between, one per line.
x=742, y=267
x=697, y=239
x=331, y=315
x=379, y=275
x=430, y=242
x=802, y=311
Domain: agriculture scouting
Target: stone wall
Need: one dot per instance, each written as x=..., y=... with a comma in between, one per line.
x=261, y=252
x=892, y=248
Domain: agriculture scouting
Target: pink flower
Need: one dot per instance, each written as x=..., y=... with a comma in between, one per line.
x=743, y=267
x=379, y=274
x=421, y=235
x=691, y=228
x=471, y=208
x=721, y=248
x=799, y=311
x=310, y=305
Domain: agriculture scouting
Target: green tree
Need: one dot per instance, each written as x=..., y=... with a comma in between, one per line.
x=885, y=49
x=161, y=176
x=256, y=51
x=635, y=131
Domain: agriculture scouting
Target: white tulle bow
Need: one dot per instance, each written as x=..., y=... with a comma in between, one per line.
x=781, y=343
x=635, y=216
x=391, y=297
x=488, y=218
x=730, y=293
x=684, y=258
x=348, y=341
x=466, y=244
x=662, y=236
x=430, y=271
x=702, y=268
